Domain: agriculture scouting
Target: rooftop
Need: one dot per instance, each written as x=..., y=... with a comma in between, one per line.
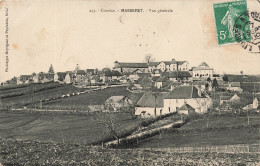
x=148, y=99
x=184, y=92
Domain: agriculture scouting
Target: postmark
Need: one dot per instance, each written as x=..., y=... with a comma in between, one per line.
x=226, y=15
x=247, y=26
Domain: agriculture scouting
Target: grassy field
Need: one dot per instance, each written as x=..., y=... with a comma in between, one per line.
x=38, y=153
x=218, y=131
x=93, y=98
x=59, y=127
x=34, y=93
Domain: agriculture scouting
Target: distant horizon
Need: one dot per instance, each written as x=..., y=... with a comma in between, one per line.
x=46, y=71
x=66, y=33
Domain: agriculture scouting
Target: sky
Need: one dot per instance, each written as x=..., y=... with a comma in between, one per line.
x=65, y=33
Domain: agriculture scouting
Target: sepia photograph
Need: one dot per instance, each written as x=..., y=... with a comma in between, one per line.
x=130, y=83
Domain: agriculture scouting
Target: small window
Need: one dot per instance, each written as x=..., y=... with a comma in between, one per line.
x=176, y=100
x=169, y=109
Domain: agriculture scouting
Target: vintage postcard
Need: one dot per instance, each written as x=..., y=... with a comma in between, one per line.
x=141, y=82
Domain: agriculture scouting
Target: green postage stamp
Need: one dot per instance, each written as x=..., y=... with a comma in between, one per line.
x=228, y=28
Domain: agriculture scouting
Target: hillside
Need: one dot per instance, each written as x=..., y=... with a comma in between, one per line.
x=225, y=130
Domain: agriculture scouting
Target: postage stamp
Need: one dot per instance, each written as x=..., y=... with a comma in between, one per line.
x=226, y=15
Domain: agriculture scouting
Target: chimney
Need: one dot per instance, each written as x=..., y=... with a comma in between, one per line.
x=199, y=91
x=172, y=87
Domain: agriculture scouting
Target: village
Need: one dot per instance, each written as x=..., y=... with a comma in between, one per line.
x=165, y=87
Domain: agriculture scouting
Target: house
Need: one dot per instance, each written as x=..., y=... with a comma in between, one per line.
x=226, y=99
x=254, y=106
x=168, y=65
x=94, y=79
x=144, y=83
x=203, y=85
x=135, y=76
x=130, y=67
x=203, y=71
x=62, y=77
x=115, y=75
x=80, y=76
x=156, y=73
x=182, y=66
x=44, y=77
x=23, y=79
x=154, y=79
x=175, y=84
x=178, y=76
x=117, y=102
x=235, y=97
x=186, y=109
x=152, y=66
x=150, y=104
x=90, y=71
x=108, y=75
x=173, y=65
x=223, y=99
x=234, y=86
x=12, y=81
x=187, y=95
x=161, y=82
x=123, y=79
x=35, y=78
x=248, y=83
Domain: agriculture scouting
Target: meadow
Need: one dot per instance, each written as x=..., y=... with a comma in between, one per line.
x=59, y=127
x=93, y=98
x=33, y=93
x=227, y=130
x=52, y=96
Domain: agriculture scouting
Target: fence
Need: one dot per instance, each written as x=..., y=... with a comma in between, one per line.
x=240, y=148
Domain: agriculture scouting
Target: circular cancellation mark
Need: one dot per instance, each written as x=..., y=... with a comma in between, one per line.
x=247, y=31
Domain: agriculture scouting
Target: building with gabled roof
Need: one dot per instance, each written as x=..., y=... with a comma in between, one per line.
x=152, y=66
x=135, y=76
x=203, y=85
x=161, y=82
x=186, y=109
x=150, y=104
x=173, y=65
x=144, y=83
x=62, y=77
x=24, y=79
x=118, y=102
x=130, y=67
x=203, y=71
x=178, y=75
x=234, y=86
x=189, y=95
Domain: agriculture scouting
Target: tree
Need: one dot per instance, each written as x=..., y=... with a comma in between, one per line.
x=215, y=84
x=241, y=72
x=130, y=109
x=51, y=70
x=148, y=58
x=225, y=78
x=209, y=79
x=33, y=74
x=180, y=76
x=109, y=120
